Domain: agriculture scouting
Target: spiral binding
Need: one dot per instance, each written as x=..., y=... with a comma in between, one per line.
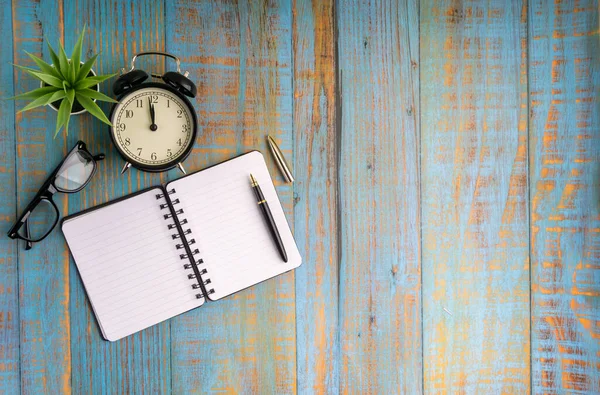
x=200, y=283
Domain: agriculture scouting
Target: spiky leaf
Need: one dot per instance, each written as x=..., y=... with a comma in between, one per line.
x=76, y=55
x=44, y=67
x=73, y=71
x=65, y=70
x=34, y=94
x=58, y=95
x=47, y=78
x=71, y=95
x=55, y=60
x=43, y=100
x=63, y=117
x=85, y=69
x=92, y=94
x=92, y=107
x=27, y=69
x=91, y=81
x=66, y=127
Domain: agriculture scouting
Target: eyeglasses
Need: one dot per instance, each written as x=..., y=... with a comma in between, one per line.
x=41, y=214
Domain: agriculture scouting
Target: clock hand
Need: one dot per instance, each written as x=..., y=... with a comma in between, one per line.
x=153, y=126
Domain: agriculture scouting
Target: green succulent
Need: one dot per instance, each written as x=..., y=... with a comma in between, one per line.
x=66, y=79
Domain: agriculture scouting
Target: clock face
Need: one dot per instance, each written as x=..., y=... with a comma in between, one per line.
x=153, y=126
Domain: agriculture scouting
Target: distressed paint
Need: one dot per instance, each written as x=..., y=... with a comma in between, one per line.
x=139, y=363
x=315, y=197
x=564, y=81
x=44, y=270
x=474, y=197
x=283, y=335
x=240, y=57
x=9, y=278
x=380, y=306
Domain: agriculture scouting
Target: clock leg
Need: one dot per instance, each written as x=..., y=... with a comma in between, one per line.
x=181, y=168
x=127, y=166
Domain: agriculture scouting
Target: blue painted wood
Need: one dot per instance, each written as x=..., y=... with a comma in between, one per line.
x=380, y=304
x=9, y=278
x=240, y=57
x=284, y=336
x=564, y=81
x=44, y=270
x=140, y=363
x=474, y=197
x=315, y=197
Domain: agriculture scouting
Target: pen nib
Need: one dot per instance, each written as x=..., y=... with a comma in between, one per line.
x=253, y=180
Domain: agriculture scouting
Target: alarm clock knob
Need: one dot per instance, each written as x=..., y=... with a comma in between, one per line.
x=128, y=81
x=180, y=83
x=125, y=167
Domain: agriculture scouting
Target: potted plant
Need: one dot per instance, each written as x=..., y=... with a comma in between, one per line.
x=68, y=85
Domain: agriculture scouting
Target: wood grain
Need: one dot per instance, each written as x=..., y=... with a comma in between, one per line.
x=380, y=305
x=140, y=363
x=240, y=57
x=9, y=277
x=474, y=197
x=407, y=125
x=564, y=50
x=43, y=270
x=315, y=197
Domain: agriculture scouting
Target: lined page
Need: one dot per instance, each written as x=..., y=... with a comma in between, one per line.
x=129, y=264
x=231, y=234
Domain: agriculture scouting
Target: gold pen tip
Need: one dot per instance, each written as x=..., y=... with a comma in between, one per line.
x=252, y=179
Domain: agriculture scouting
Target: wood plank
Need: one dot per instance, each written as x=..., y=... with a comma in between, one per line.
x=474, y=194
x=43, y=270
x=139, y=363
x=564, y=51
x=9, y=277
x=240, y=57
x=380, y=304
x=315, y=196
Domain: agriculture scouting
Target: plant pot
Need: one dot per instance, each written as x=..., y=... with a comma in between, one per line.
x=77, y=108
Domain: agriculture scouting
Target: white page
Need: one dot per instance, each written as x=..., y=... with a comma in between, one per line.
x=129, y=264
x=231, y=235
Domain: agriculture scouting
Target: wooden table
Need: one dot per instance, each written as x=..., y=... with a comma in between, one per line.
x=446, y=200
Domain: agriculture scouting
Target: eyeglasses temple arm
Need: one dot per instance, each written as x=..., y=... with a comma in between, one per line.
x=28, y=244
x=99, y=157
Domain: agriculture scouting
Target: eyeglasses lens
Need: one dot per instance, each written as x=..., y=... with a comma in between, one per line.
x=75, y=171
x=40, y=221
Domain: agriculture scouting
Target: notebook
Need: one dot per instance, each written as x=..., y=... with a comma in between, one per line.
x=160, y=252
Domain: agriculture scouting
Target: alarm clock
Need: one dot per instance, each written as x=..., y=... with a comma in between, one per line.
x=154, y=125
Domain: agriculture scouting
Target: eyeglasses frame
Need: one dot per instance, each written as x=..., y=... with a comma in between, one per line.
x=47, y=190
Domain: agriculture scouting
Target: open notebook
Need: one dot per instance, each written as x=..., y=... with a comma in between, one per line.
x=152, y=255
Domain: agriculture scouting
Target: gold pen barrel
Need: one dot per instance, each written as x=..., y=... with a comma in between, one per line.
x=253, y=181
x=257, y=191
x=284, y=167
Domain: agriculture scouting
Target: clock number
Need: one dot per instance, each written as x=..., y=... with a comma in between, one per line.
x=168, y=103
x=179, y=113
x=154, y=99
x=127, y=141
x=139, y=152
x=153, y=156
x=121, y=127
x=169, y=153
x=179, y=142
x=128, y=113
x=139, y=103
x=186, y=128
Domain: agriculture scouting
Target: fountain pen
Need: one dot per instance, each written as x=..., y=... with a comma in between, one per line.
x=266, y=212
